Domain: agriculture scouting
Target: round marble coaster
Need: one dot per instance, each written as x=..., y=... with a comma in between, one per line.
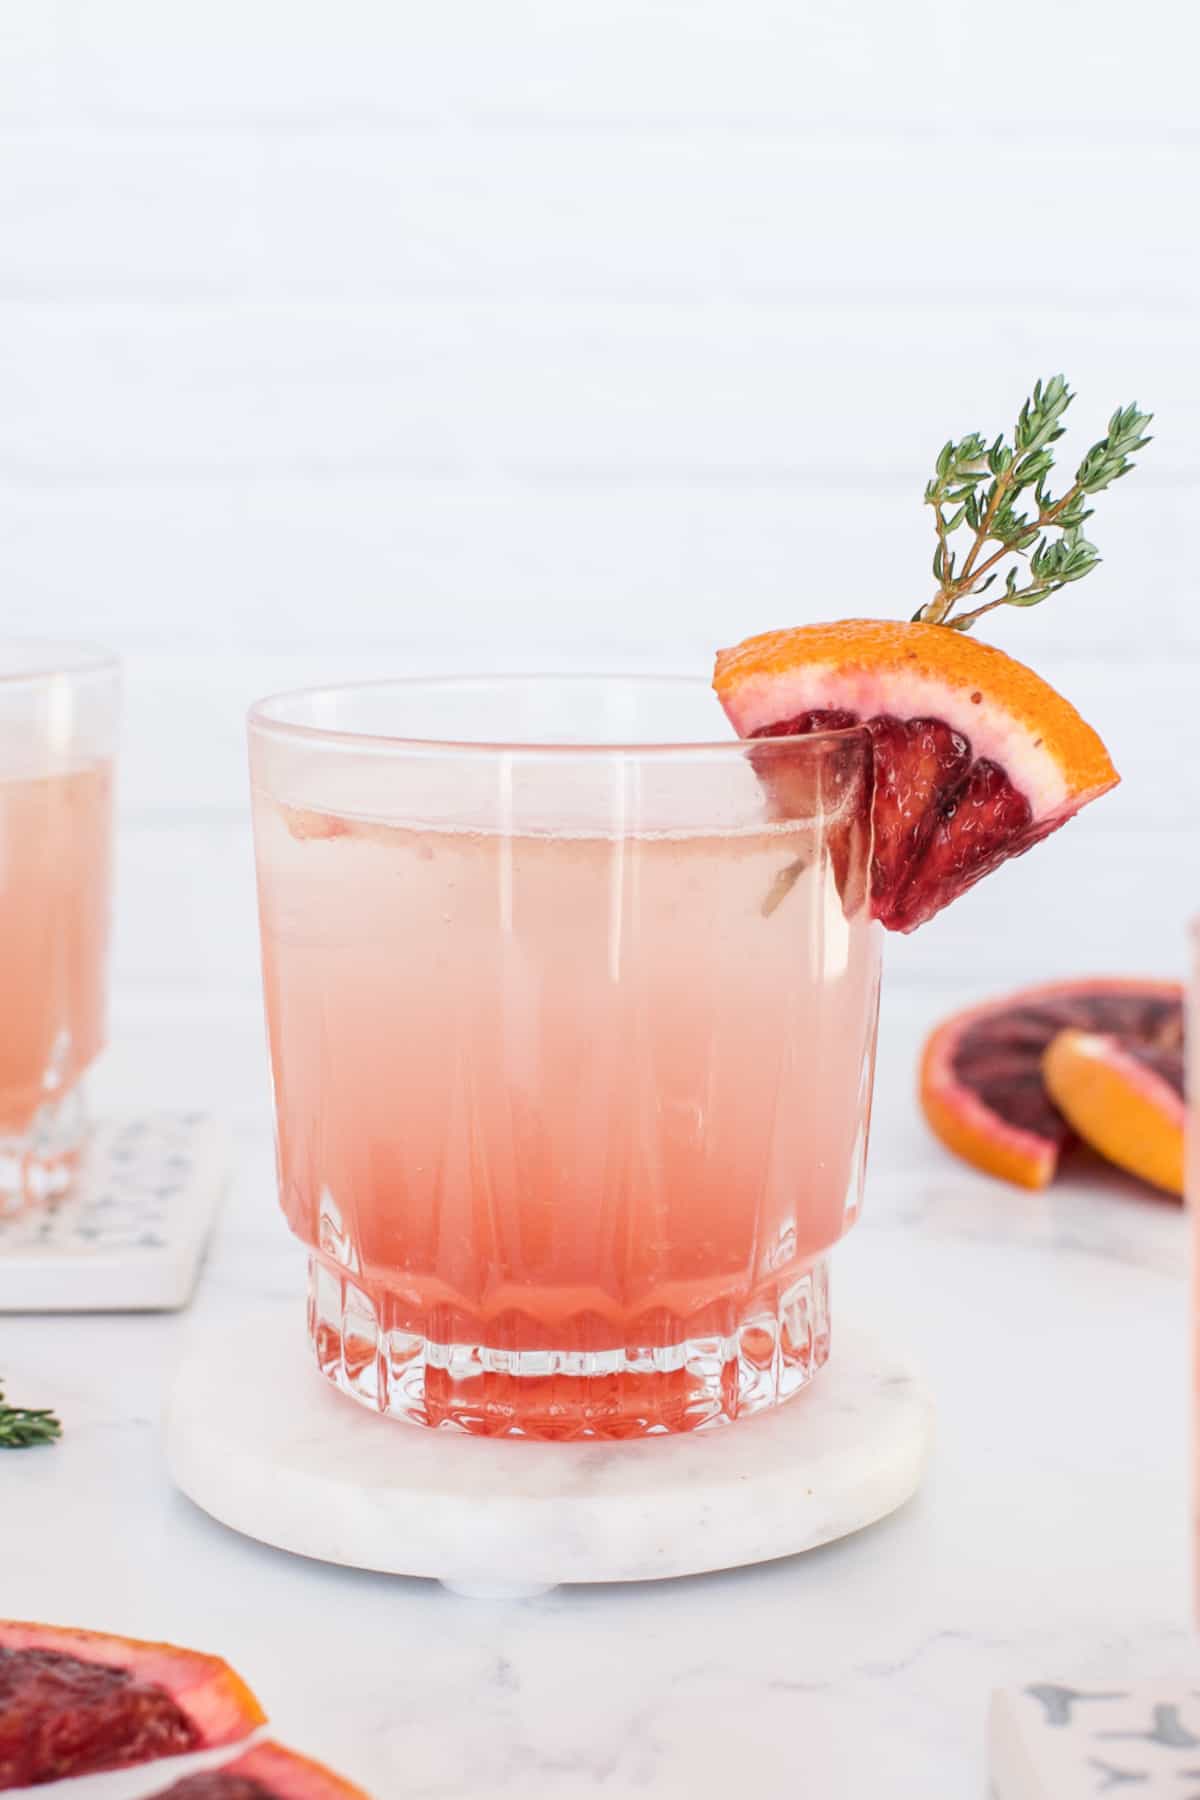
x=258, y=1439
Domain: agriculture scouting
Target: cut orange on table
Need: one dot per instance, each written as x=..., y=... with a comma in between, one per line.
x=75, y=1702
x=1124, y=1098
x=984, y=1088
x=976, y=758
x=267, y=1772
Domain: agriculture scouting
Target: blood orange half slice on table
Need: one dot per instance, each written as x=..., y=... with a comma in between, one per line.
x=976, y=758
x=75, y=1702
x=1112, y=1050
x=1124, y=1097
x=268, y=1772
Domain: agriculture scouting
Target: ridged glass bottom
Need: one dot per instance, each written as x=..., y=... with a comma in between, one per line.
x=39, y=1163
x=768, y=1355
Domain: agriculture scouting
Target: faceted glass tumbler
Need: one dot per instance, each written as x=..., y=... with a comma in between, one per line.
x=58, y=725
x=571, y=1004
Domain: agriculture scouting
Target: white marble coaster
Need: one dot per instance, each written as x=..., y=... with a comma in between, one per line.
x=131, y=1233
x=259, y=1439
x=1057, y=1741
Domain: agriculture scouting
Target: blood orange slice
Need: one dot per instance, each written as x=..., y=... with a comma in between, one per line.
x=268, y=1772
x=75, y=1702
x=976, y=757
x=982, y=1085
x=1124, y=1098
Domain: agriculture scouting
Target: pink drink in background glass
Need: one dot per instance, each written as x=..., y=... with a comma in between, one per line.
x=571, y=1046
x=58, y=712
x=1192, y=1199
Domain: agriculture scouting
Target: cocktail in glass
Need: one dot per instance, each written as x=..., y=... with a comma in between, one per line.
x=571, y=1003
x=58, y=720
x=1192, y=1200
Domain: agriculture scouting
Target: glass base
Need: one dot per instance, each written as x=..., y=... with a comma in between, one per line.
x=770, y=1354
x=39, y=1163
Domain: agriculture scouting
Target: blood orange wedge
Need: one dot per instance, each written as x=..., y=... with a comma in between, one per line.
x=982, y=1086
x=976, y=758
x=268, y=1772
x=1124, y=1098
x=74, y=1702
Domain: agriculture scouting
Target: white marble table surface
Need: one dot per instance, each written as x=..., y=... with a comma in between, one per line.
x=1050, y=1538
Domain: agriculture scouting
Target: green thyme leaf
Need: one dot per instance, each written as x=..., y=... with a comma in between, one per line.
x=1000, y=493
x=21, y=1426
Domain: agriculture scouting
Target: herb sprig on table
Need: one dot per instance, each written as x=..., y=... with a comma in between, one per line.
x=998, y=492
x=23, y=1426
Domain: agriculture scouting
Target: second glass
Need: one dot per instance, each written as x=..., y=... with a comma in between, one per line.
x=58, y=725
x=572, y=1019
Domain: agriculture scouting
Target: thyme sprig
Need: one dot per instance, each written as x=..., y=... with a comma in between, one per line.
x=22, y=1426
x=999, y=493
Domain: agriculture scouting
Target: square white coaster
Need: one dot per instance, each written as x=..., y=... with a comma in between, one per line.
x=131, y=1233
x=1057, y=1741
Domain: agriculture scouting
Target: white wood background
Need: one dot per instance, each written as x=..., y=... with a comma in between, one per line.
x=343, y=339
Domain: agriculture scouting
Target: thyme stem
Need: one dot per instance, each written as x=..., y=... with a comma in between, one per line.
x=22, y=1426
x=985, y=484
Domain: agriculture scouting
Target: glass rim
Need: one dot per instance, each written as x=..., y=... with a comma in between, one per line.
x=51, y=659
x=260, y=721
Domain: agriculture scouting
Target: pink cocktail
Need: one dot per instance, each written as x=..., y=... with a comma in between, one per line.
x=58, y=713
x=571, y=1005
x=1192, y=1201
